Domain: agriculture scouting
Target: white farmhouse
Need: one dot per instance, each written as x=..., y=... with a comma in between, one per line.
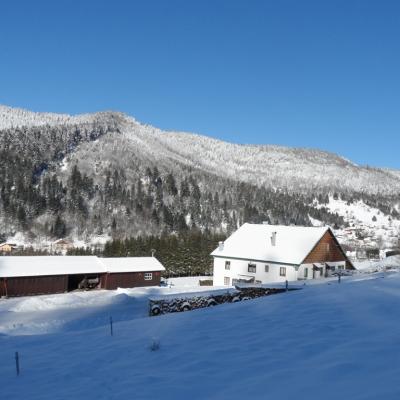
x=262, y=253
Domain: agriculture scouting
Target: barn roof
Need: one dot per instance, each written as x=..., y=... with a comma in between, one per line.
x=253, y=242
x=132, y=264
x=14, y=266
x=18, y=266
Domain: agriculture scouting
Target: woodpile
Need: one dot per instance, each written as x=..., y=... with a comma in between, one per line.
x=205, y=282
x=192, y=301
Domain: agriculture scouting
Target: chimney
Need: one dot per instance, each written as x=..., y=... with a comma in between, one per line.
x=220, y=246
x=273, y=239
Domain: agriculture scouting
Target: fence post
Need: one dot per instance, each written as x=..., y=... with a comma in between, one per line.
x=339, y=277
x=111, y=327
x=287, y=285
x=17, y=362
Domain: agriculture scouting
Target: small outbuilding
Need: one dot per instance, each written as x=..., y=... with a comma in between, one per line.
x=33, y=275
x=128, y=272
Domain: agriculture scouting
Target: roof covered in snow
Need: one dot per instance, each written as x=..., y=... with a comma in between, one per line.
x=16, y=266
x=132, y=264
x=253, y=242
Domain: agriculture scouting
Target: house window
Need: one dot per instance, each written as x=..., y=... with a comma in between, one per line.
x=227, y=280
x=305, y=272
x=327, y=247
x=227, y=265
x=282, y=271
x=148, y=276
x=251, y=268
x=267, y=268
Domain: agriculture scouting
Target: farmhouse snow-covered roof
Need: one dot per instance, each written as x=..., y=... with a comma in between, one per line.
x=17, y=266
x=253, y=242
x=132, y=264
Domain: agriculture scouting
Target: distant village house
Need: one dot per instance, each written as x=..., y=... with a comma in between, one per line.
x=7, y=248
x=62, y=245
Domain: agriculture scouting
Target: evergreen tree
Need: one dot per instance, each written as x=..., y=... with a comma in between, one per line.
x=59, y=228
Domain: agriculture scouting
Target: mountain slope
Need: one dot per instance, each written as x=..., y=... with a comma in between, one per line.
x=278, y=166
x=18, y=117
x=105, y=173
x=275, y=166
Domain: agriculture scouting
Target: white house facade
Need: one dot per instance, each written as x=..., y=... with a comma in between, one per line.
x=261, y=253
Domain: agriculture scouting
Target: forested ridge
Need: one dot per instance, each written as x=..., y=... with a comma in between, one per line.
x=106, y=175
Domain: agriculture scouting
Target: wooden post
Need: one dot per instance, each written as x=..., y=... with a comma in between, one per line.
x=111, y=327
x=17, y=362
x=287, y=285
x=339, y=277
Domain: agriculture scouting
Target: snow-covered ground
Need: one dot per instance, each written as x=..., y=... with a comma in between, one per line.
x=326, y=341
x=381, y=265
x=80, y=310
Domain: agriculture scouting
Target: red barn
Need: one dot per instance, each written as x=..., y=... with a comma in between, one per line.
x=24, y=276
x=128, y=272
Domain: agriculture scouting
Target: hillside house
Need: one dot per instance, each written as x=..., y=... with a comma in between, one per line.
x=33, y=275
x=262, y=253
x=62, y=245
x=7, y=248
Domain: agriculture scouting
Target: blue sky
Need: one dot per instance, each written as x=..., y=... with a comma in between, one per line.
x=322, y=74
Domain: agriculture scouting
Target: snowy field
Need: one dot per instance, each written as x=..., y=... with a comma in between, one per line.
x=81, y=310
x=327, y=341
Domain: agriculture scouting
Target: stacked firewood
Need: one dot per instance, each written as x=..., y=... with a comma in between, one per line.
x=193, y=301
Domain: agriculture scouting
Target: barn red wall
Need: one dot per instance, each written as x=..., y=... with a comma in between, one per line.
x=31, y=285
x=128, y=280
x=27, y=286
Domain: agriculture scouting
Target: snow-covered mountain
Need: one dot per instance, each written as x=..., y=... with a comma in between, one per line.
x=18, y=117
x=101, y=167
x=276, y=166
x=281, y=167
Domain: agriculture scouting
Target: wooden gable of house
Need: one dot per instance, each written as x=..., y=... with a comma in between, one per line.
x=327, y=249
